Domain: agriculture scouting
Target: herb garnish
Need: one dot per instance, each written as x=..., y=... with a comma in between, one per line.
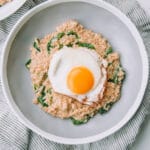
x=73, y=33
x=36, y=45
x=105, y=109
x=69, y=45
x=79, y=122
x=27, y=64
x=115, y=76
x=41, y=98
x=108, y=51
x=88, y=45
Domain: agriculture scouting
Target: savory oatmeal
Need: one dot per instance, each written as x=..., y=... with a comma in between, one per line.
x=73, y=37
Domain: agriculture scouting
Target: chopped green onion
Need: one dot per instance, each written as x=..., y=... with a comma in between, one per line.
x=88, y=45
x=36, y=45
x=27, y=64
x=73, y=33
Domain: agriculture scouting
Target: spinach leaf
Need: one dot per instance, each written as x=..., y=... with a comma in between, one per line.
x=61, y=46
x=36, y=45
x=41, y=98
x=102, y=110
x=88, y=45
x=41, y=101
x=108, y=106
x=115, y=76
x=60, y=35
x=45, y=75
x=108, y=51
x=49, y=91
x=73, y=33
x=35, y=86
x=79, y=122
x=110, y=63
x=49, y=45
x=69, y=45
x=43, y=91
x=27, y=64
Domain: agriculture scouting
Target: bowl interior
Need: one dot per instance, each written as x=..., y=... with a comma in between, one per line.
x=97, y=19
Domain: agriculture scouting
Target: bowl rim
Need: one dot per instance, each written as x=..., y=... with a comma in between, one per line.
x=96, y=137
x=11, y=9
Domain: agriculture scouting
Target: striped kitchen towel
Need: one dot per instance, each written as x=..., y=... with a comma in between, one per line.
x=15, y=136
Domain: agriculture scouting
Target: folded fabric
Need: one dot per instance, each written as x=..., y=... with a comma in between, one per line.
x=15, y=136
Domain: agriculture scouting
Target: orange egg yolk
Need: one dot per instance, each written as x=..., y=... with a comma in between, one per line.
x=80, y=80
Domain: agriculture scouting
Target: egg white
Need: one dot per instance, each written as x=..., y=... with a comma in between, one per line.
x=65, y=60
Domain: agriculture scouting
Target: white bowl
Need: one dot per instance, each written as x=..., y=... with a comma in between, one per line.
x=10, y=8
x=100, y=17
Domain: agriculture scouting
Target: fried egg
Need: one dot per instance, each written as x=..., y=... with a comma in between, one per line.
x=79, y=73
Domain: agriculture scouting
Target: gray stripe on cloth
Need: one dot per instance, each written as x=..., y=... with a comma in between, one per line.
x=15, y=136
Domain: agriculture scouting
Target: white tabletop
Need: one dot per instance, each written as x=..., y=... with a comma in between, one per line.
x=143, y=139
